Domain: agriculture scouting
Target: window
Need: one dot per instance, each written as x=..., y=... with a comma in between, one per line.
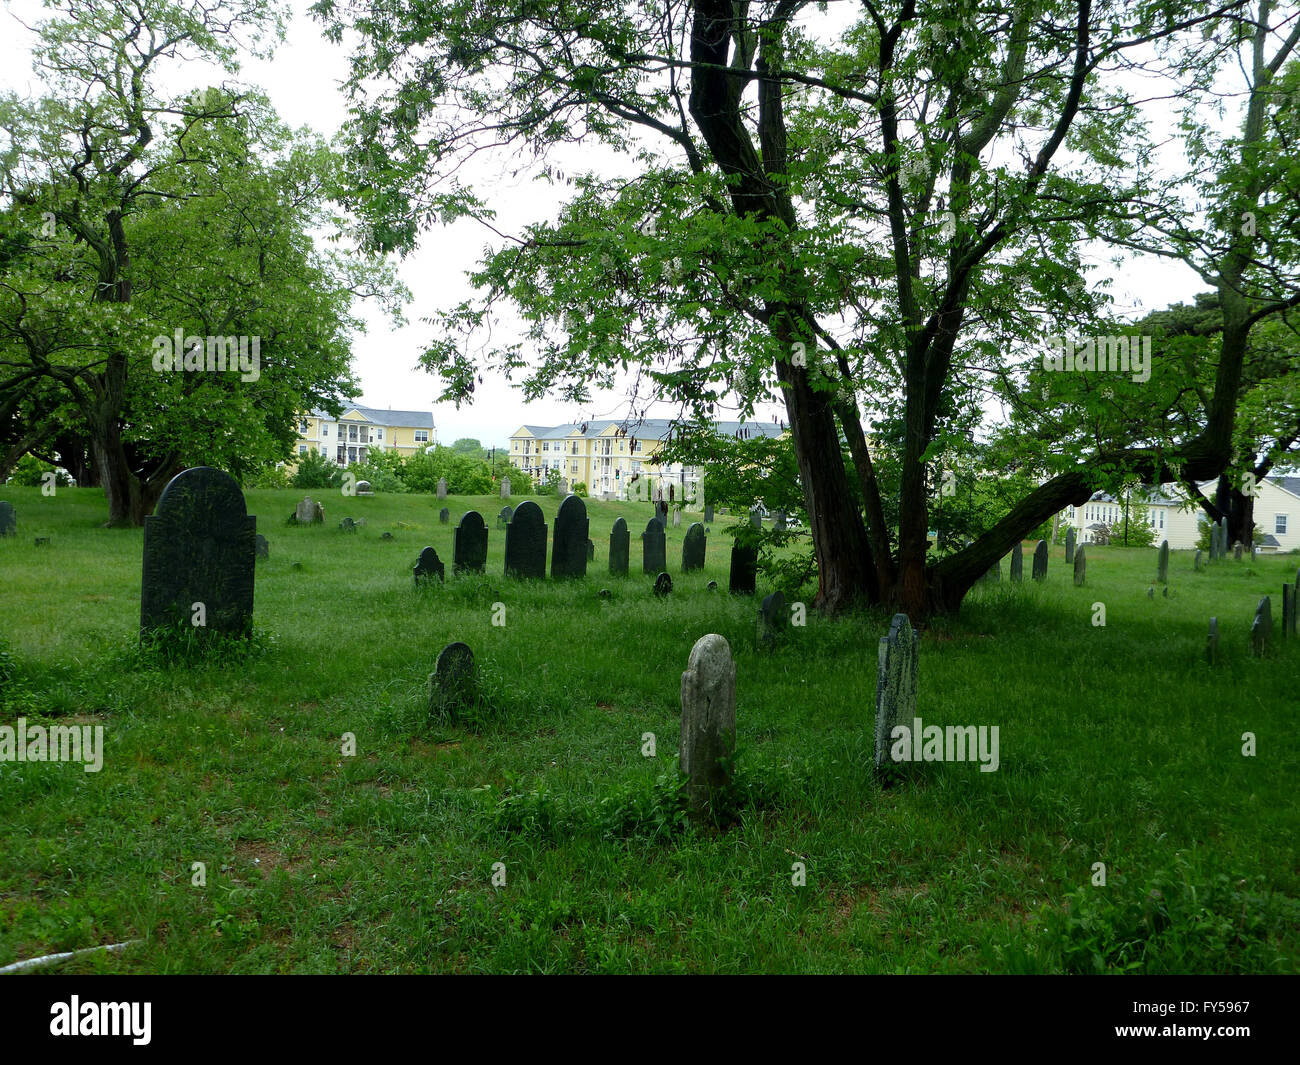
x=381, y=434
x=422, y=436
x=324, y=429
x=324, y=450
x=302, y=449
x=1279, y=524
x=1162, y=519
x=302, y=425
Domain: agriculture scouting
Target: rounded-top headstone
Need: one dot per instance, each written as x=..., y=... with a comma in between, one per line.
x=663, y=585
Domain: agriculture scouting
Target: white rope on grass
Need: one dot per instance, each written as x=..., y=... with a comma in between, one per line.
x=51, y=959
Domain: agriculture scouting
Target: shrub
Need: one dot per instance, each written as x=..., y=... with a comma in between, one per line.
x=29, y=472
x=316, y=471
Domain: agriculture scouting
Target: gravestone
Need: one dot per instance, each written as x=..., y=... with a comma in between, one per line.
x=569, y=552
x=708, y=513
x=1040, y=561
x=772, y=618
x=661, y=512
x=386, y=536
x=563, y=486
x=262, y=549
x=469, y=544
x=663, y=585
x=1162, y=563
x=1214, y=542
x=897, y=665
x=591, y=550
x=654, y=548
x=428, y=566
x=42, y=541
x=708, y=722
x=744, y=570
x=442, y=487
x=1236, y=551
x=199, y=547
x=693, y=548
x=444, y=516
x=505, y=487
x=1261, y=629
x=526, y=541
x=1070, y=544
x=605, y=593
x=756, y=518
x=8, y=519
x=1252, y=550
x=677, y=517
x=1151, y=592
x=364, y=489
x=993, y=573
x=619, y=548
x=712, y=586
x=348, y=525
x=1196, y=562
x=296, y=566
x=1288, y=611
x=1017, y=563
x=309, y=513
x=1212, y=642
x=503, y=519
x=778, y=520
x=1080, y=568
x=453, y=686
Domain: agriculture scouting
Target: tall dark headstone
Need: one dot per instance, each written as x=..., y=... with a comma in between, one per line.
x=569, y=554
x=693, y=548
x=1288, y=612
x=1070, y=544
x=654, y=548
x=897, y=666
x=1080, y=567
x=708, y=513
x=772, y=618
x=526, y=541
x=619, y=548
x=1018, y=563
x=428, y=566
x=199, y=548
x=744, y=570
x=8, y=519
x=1162, y=563
x=469, y=544
x=261, y=547
x=1040, y=561
x=444, y=516
x=453, y=686
x=1261, y=629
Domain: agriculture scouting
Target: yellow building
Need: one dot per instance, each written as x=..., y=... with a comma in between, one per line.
x=608, y=455
x=359, y=430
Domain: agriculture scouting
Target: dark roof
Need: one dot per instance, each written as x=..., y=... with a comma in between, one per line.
x=419, y=419
x=649, y=428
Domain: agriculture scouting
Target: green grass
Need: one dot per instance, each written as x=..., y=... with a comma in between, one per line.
x=1118, y=745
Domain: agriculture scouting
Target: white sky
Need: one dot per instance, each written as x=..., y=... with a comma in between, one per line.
x=302, y=81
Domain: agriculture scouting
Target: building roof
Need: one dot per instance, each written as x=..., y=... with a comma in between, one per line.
x=418, y=419
x=1287, y=484
x=647, y=428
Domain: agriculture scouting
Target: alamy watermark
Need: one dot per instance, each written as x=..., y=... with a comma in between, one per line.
x=239, y=354
x=57, y=743
x=1127, y=354
x=953, y=743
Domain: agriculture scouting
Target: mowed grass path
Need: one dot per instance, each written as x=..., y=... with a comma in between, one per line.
x=1118, y=744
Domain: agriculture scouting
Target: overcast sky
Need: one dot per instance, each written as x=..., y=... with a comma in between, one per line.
x=302, y=81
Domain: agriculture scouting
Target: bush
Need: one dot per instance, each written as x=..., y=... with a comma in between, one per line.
x=580, y=489
x=381, y=479
x=271, y=477
x=29, y=472
x=316, y=471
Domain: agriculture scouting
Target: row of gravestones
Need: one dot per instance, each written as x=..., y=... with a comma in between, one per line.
x=1018, y=564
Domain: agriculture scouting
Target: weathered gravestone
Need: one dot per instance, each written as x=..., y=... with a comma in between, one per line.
x=526, y=541
x=1252, y=550
x=744, y=570
x=778, y=520
x=708, y=513
x=619, y=548
x=1017, y=563
x=756, y=518
x=469, y=544
x=654, y=548
x=1040, y=561
x=1288, y=612
x=386, y=536
x=1162, y=563
x=663, y=585
x=569, y=554
x=309, y=513
x=1196, y=562
x=897, y=665
x=262, y=549
x=200, y=554
x=708, y=722
x=771, y=619
x=1070, y=544
x=428, y=566
x=348, y=525
x=453, y=686
x=1214, y=542
x=444, y=516
x=677, y=517
x=693, y=548
x=1212, y=642
x=1261, y=629
x=591, y=550
x=503, y=519
x=8, y=519
x=505, y=487
x=1080, y=567
x=364, y=489
x=442, y=487
x=661, y=512
x=1236, y=551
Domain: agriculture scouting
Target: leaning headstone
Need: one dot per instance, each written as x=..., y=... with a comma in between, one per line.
x=526, y=541
x=778, y=521
x=8, y=519
x=1080, y=568
x=619, y=548
x=897, y=664
x=1162, y=563
x=1040, y=561
x=309, y=513
x=503, y=519
x=1212, y=642
x=444, y=516
x=708, y=722
x=693, y=548
x=744, y=570
x=505, y=487
x=708, y=513
x=1261, y=629
x=348, y=525
x=200, y=554
x=1236, y=551
x=469, y=544
x=428, y=566
x=262, y=549
x=442, y=487
x=1017, y=562
x=569, y=553
x=452, y=684
x=1196, y=562
x=1070, y=543
x=663, y=585
x=654, y=548
x=772, y=618
x=756, y=518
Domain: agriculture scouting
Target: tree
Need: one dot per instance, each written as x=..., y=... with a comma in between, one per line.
x=876, y=214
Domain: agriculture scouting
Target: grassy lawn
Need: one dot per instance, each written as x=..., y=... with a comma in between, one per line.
x=1118, y=744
